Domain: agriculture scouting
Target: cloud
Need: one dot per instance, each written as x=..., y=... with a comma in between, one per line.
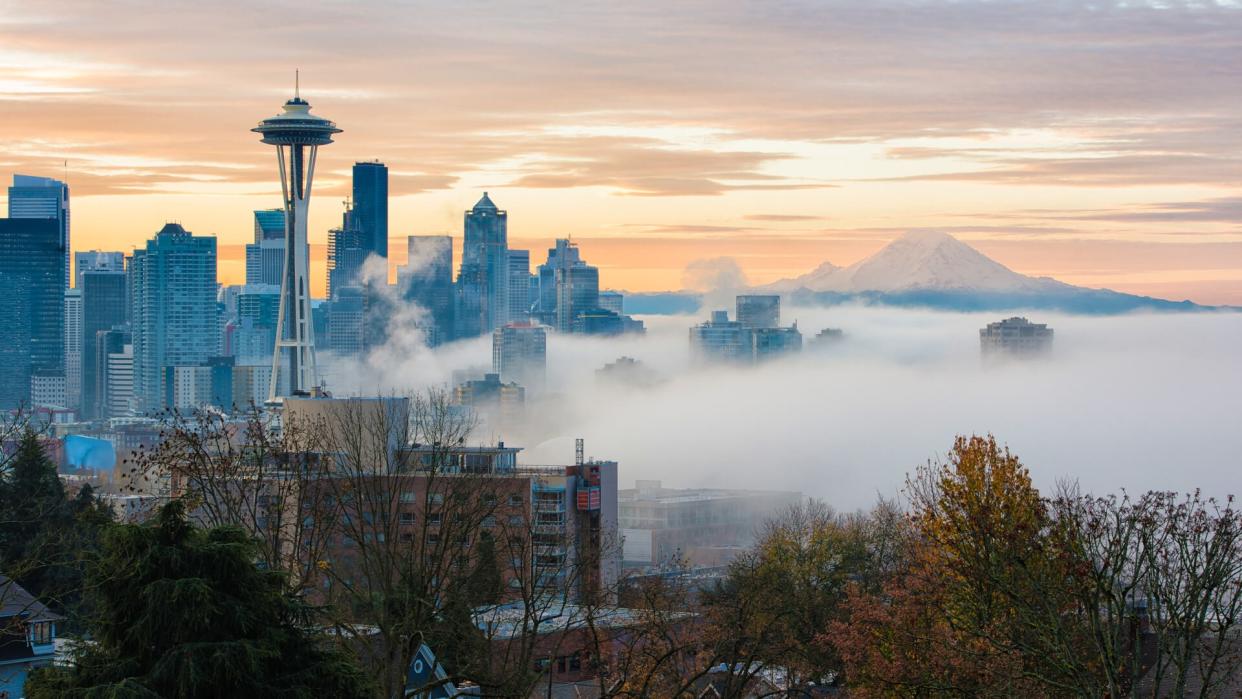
x=781, y=218
x=1136, y=402
x=714, y=276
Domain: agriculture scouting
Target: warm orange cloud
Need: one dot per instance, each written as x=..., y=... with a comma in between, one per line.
x=1098, y=142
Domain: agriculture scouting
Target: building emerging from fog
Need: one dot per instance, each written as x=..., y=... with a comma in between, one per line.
x=754, y=337
x=701, y=527
x=519, y=353
x=1015, y=337
x=427, y=280
x=756, y=311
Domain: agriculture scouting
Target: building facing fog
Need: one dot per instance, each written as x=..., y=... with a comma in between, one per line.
x=752, y=341
x=1015, y=337
x=519, y=353
x=704, y=527
x=427, y=280
x=759, y=311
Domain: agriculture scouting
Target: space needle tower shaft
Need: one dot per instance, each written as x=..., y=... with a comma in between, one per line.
x=297, y=135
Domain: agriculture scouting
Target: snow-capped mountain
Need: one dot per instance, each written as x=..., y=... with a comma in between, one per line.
x=921, y=260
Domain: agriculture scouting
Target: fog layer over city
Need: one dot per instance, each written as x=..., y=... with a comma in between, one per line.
x=1137, y=402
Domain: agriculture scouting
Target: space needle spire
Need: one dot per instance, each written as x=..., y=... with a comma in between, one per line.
x=297, y=135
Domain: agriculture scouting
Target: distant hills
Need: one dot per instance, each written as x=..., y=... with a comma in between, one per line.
x=928, y=269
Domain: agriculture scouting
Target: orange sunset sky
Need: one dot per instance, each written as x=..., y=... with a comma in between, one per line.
x=1097, y=142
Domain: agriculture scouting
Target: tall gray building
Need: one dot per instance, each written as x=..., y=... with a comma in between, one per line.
x=519, y=285
x=173, y=307
x=348, y=249
x=43, y=197
x=564, y=254
x=265, y=258
x=519, y=354
x=104, y=308
x=483, y=282
x=32, y=317
x=73, y=348
x=577, y=291
x=427, y=280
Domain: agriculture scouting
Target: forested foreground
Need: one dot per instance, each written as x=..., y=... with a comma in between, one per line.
x=973, y=584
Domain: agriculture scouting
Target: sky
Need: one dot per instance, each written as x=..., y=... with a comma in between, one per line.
x=1131, y=402
x=1096, y=142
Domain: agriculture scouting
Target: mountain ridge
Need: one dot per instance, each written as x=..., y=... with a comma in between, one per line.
x=931, y=269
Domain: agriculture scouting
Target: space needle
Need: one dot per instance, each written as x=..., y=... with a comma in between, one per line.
x=297, y=135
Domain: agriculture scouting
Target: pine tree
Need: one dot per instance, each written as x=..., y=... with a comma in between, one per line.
x=185, y=612
x=34, y=516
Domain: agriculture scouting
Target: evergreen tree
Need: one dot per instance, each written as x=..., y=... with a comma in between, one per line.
x=184, y=612
x=46, y=538
x=34, y=516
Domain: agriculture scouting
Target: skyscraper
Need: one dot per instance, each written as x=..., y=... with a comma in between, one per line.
x=114, y=374
x=347, y=251
x=73, y=348
x=265, y=258
x=427, y=280
x=255, y=334
x=269, y=224
x=564, y=254
x=104, y=307
x=173, y=307
x=483, y=283
x=297, y=135
x=96, y=260
x=43, y=197
x=32, y=316
x=577, y=290
x=519, y=353
x=519, y=285
x=371, y=205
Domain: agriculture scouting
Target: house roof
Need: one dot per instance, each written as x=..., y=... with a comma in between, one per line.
x=15, y=601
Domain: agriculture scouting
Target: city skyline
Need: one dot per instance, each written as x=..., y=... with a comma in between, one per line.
x=1103, y=154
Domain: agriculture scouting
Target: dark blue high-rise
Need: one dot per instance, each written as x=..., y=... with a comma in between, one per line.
x=32, y=317
x=370, y=213
x=42, y=197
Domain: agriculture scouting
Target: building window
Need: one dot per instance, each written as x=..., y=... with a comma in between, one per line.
x=515, y=501
x=406, y=518
x=41, y=633
x=408, y=496
x=515, y=520
x=434, y=519
x=489, y=521
x=436, y=498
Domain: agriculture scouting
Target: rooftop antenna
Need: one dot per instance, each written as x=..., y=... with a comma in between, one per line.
x=578, y=450
x=297, y=84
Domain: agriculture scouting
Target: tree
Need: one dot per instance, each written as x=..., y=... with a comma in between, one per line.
x=185, y=612
x=46, y=539
x=957, y=618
